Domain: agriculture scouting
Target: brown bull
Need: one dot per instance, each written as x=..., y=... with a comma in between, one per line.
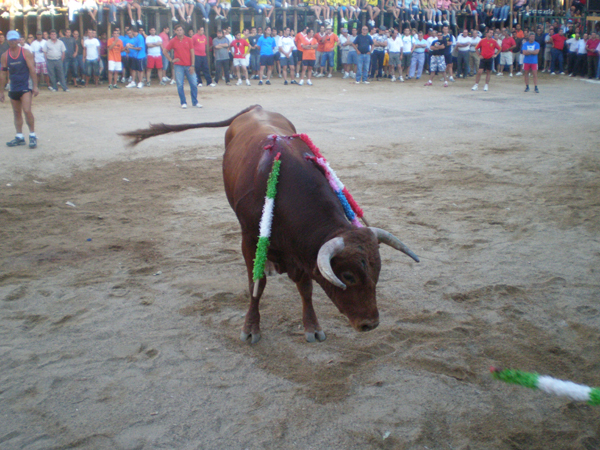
x=311, y=238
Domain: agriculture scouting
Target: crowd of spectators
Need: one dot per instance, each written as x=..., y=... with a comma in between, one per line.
x=129, y=58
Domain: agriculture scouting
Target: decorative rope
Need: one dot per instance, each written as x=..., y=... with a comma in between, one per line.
x=351, y=208
x=266, y=221
x=549, y=385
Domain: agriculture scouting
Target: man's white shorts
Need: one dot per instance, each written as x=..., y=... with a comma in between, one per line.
x=240, y=62
x=506, y=58
x=115, y=66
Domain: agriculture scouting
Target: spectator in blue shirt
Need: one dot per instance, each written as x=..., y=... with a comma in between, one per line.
x=267, y=46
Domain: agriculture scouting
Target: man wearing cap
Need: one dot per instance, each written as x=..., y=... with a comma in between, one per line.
x=55, y=55
x=18, y=63
x=3, y=44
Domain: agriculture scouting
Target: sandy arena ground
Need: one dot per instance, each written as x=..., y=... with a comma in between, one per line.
x=120, y=316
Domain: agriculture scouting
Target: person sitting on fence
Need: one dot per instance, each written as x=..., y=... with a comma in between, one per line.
x=344, y=9
x=92, y=8
x=373, y=10
x=204, y=8
x=136, y=5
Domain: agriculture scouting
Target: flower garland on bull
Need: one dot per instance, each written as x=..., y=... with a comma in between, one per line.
x=351, y=209
x=549, y=385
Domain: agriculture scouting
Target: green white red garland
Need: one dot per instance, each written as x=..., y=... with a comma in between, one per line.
x=266, y=221
x=548, y=384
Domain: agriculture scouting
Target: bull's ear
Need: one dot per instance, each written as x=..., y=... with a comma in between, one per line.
x=385, y=237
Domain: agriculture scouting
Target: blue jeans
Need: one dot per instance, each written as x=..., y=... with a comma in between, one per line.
x=327, y=56
x=254, y=62
x=201, y=66
x=362, y=68
x=204, y=9
x=70, y=66
x=182, y=72
x=557, y=60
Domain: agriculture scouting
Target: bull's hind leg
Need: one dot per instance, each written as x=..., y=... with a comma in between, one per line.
x=251, y=327
x=312, y=329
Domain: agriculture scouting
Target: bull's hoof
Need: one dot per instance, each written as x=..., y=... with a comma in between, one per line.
x=255, y=337
x=317, y=335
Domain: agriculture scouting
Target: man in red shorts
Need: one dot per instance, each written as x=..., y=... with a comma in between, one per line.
x=154, y=49
x=487, y=49
x=530, y=48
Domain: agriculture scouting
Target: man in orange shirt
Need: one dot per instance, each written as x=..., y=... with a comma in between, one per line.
x=309, y=46
x=298, y=42
x=487, y=49
x=320, y=47
x=330, y=41
x=115, y=47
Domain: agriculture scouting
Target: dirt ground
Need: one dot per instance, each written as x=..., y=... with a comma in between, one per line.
x=120, y=316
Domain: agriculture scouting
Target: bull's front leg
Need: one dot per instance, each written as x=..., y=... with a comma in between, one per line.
x=251, y=328
x=312, y=329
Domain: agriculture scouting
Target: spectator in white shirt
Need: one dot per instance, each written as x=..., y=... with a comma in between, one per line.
x=463, y=45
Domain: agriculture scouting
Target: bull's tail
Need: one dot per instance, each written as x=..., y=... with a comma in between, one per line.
x=156, y=129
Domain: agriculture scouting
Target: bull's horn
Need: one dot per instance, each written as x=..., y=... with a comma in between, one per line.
x=327, y=251
x=388, y=238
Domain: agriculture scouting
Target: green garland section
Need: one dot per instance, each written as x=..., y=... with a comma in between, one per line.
x=595, y=396
x=519, y=377
x=261, y=258
x=273, y=178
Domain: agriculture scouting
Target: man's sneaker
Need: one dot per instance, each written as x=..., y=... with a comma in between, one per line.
x=372, y=23
x=247, y=82
x=284, y=83
x=428, y=83
x=319, y=75
x=213, y=84
x=123, y=80
x=451, y=78
x=132, y=84
x=166, y=79
x=238, y=82
x=32, y=141
x=537, y=91
x=552, y=73
x=197, y=105
x=297, y=75
x=51, y=89
x=329, y=76
x=562, y=73
x=172, y=81
x=228, y=84
x=475, y=87
x=140, y=23
x=527, y=89
x=393, y=78
x=499, y=74
x=366, y=82
x=116, y=86
x=268, y=82
x=16, y=142
x=309, y=82
x=352, y=74
x=260, y=83
x=402, y=79
x=140, y=85
x=147, y=84
x=110, y=87
x=280, y=75
x=183, y=105
x=301, y=82
x=445, y=84
x=485, y=88
x=199, y=85
x=346, y=75
x=510, y=74
x=162, y=83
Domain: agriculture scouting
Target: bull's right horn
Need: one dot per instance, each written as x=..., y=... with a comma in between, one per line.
x=388, y=238
x=327, y=251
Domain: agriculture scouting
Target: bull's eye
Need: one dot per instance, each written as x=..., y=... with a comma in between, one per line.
x=348, y=278
x=364, y=264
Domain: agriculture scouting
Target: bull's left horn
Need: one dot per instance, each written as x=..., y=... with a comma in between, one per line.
x=327, y=251
x=388, y=238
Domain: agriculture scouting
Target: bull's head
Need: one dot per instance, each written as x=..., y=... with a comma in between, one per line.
x=351, y=264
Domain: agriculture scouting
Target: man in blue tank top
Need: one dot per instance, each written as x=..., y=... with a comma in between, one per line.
x=18, y=62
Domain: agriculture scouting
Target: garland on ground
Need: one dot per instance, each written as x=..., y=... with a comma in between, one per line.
x=351, y=208
x=266, y=221
x=548, y=384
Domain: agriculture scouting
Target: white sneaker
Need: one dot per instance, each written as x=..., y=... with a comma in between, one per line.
x=510, y=74
x=199, y=85
x=172, y=81
x=297, y=75
x=213, y=84
x=485, y=88
x=346, y=75
x=247, y=82
x=198, y=105
x=238, y=82
x=352, y=74
x=329, y=76
x=475, y=87
x=123, y=80
x=140, y=85
x=519, y=74
x=393, y=78
x=499, y=74
x=184, y=106
x=280, y=75
x=301, y=82
x=319, y=75
x=132, y=84
x=401, y=78
x=451, y=79
x=165, y=79
x=309, y=82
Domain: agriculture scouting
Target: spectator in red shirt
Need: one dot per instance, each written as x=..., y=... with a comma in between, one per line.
x=201, y=43
x=592, y=55
x=487, y=49
x=183, y=65
x=506, y=55
x=558, y=44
